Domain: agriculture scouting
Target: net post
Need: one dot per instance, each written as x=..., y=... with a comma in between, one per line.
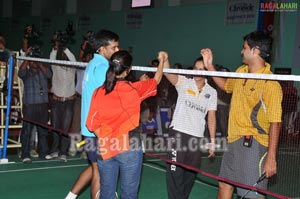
x=4, y=159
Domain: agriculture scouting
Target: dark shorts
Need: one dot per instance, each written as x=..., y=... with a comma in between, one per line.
x=244, y=165
x=91, y=148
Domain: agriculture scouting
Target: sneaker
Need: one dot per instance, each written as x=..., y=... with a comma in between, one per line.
x=63, y=158
x=98, y=194
x=83, y=155
x=26, y=160
x=51, y=156
x=72, y=153
x=34, y=154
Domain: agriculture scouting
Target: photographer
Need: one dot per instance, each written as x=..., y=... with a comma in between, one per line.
x=35, y=77
x=87, y=48
x=63, y=97
x=4, y=57
x=31, y=38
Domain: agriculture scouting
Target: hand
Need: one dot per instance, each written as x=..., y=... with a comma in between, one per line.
x=162, y=56
x=211, y=153
x=207, y=58
x=83, y=45
x=28, y=50
x=211, y=150
x=270, y=167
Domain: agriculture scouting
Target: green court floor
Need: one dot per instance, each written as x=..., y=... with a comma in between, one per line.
x=53, y=179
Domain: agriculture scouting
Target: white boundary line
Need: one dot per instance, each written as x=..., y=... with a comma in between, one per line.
x=81, y=165
x=43, y=168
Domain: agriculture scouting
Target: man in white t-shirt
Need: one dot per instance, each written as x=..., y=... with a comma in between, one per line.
x=62, y=101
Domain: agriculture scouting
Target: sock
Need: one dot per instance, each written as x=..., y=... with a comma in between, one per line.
x=71, y=196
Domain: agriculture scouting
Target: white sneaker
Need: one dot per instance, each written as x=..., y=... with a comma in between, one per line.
x=26, y=160
x=63, y=158
x=98, y=194
x=51, y=156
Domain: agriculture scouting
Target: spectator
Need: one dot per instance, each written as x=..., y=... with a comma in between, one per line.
x=35, y=77
x=62, y=102
x=289, y=106
x=150, y=126
x=4, y=57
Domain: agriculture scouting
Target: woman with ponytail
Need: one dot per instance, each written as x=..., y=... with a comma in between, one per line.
x=114, y=117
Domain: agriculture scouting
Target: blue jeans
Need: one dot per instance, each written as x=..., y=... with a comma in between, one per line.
x=129, y=164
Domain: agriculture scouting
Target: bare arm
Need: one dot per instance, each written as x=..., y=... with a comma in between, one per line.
x=173, y=78
x=162, y=57
x=212, y=122
x=24, y=64
x=97, y=131
x=81, y=51
x=208, y=63
x=270, y=167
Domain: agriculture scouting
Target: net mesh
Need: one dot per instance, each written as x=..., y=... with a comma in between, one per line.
x=285, y=184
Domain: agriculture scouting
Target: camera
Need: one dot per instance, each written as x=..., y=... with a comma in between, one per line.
x=60, y=37
x=88, y=36
x=64, y=37
x=35, y=51
x=32, y=35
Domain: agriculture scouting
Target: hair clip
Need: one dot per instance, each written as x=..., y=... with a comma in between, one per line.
x=116, y=61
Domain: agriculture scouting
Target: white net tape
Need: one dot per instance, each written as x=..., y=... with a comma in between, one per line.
x=178, y=71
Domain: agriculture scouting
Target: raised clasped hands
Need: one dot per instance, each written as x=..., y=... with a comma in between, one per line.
x=207, y=58
x=162, y=56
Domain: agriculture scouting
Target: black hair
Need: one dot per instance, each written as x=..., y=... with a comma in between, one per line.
x=61, y=55
x=103, y=37
x=179, y=65
x=2, y=40
x=120, y=61
x=261, y=41
x=198, y=59
x=154, y=61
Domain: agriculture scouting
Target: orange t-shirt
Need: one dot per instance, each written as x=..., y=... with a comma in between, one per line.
x=117, y=113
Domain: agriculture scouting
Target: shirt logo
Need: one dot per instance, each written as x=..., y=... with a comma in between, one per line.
x=207, y=95
x=190, y=91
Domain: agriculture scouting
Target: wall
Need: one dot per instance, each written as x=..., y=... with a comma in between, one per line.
x=180, y=30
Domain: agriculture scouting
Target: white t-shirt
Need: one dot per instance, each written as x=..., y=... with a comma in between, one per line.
x=63, y=79
x=80, y=74
x=192, y=106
